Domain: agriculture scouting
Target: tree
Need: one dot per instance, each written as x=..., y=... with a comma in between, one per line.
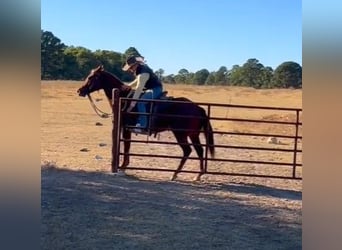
x=160, y=73
x=201, y=76
x=221, y=75
x=182, y=76
x=51, y=56
x=266, y=77
x=169, y=79
x=85, y=59
x=59, y=61
x=288, y=74
x=190, y=78
x=252, y=73
x=210, y=79
x=71, y=68
x=110, y=60
x=236, y=75
x=183, y=72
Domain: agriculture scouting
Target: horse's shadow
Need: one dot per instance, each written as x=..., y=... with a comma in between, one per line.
x=240, y=188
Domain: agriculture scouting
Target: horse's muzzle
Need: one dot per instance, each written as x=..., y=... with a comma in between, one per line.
x=81, y=93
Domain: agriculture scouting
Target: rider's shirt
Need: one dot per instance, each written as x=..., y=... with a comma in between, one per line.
x=153, y=81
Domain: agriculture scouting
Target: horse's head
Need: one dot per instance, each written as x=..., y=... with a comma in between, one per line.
x=93, y=82
x=101, y=79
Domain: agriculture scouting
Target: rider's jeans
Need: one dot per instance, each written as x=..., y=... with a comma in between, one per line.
x=141, y=106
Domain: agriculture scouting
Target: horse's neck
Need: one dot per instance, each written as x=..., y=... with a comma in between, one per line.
x=113, y=82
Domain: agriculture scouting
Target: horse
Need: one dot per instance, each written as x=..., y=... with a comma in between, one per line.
x=183, y=117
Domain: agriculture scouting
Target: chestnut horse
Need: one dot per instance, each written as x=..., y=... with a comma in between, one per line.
x=184, y=118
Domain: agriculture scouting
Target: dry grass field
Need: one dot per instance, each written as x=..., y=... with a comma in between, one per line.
x=84, y=207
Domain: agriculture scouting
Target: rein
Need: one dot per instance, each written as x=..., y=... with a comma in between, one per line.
x=103, y=114
x=98, y=111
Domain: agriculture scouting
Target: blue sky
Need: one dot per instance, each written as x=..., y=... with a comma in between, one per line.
x=190, y=34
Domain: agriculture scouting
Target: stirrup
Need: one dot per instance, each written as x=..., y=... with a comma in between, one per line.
x=140, y=130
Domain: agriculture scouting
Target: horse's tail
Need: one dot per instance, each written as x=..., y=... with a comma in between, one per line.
x=208, y=132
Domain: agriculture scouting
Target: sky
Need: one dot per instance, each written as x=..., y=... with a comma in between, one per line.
x=189, y=34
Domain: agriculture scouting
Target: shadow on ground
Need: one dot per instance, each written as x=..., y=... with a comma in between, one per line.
x=82, y=210
x=260, y=190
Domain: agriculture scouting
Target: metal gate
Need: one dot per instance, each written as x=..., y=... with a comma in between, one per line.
x=271, y=139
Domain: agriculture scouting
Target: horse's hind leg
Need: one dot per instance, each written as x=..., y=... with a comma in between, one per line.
x=199, y=150
x=182, y=140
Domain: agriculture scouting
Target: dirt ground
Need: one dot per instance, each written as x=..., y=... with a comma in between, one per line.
x=86, y=207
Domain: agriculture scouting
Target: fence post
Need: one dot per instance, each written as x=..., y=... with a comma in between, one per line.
x=115, y=130
x=295, y=146
x=207, y=139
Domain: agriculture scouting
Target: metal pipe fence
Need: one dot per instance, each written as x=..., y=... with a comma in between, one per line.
x=290, y=130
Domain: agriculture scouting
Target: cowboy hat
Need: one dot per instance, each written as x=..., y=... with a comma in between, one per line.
x=131, y=61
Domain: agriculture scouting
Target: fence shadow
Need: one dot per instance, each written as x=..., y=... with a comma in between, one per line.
x=261, y=190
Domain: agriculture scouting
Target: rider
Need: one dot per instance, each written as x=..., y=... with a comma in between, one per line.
x=145, y=80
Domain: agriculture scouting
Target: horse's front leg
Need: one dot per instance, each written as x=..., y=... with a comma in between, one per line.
x=127, y=135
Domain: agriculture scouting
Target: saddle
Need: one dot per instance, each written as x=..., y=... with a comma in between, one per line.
x=163, y=95
x=154, y=121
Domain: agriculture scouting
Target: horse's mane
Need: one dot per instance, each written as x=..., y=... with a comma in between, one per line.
x=116, y=83
x=107, y=73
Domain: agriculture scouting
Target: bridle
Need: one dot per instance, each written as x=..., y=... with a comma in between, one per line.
x=98, y=111
x=103, y=114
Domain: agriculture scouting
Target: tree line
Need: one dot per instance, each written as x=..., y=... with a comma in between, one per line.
x=62, y=62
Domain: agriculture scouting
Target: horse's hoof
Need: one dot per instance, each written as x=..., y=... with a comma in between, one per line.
x=198, y=178
x=121, y=173
x=173, y=178
x=123, y=166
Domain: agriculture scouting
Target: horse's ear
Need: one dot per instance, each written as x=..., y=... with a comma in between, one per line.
x=99, y=68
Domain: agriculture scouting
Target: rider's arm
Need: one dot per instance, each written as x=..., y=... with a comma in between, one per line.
x=141, y=81
x=133, y=83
